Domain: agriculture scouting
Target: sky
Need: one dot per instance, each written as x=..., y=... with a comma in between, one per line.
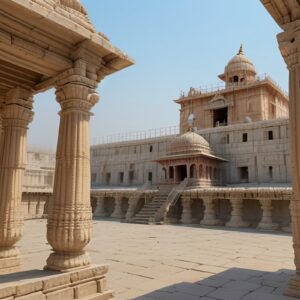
x=176, y=44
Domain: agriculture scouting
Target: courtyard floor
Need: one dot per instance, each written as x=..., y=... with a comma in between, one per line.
x=180, y=262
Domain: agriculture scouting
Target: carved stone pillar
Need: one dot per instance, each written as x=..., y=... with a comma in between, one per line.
x=186, y=217
x=69, y=226
x=288, y=228
x=16, y=115
x=118, y=213
x=131, y=207
x=266, y=222
x=209, y=217
x=99, y=211
x=289, y=43
x=236, y=219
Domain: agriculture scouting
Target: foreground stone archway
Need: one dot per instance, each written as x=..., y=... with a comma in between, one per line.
x=287, y=16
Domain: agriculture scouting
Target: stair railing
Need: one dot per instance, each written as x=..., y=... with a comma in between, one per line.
x=173, y=197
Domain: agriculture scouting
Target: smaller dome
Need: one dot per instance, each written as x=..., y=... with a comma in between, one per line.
x=240, y=63
x=189, y=142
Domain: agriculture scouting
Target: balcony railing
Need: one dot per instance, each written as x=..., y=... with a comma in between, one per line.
x=213, y=88
x=137, y=135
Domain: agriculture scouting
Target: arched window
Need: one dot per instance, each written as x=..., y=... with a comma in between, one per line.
x=235, y=78
x=193, y=171
x=151, y=148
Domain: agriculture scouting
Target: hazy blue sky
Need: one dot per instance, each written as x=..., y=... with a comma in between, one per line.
x=176, y=44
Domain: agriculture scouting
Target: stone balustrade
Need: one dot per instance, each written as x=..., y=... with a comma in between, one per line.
x=261, y=208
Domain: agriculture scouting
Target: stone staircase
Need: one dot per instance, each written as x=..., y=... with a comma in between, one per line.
x=148, y=212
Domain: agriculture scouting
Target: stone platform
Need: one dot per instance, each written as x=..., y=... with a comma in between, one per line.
x=85, y=284
x=180, y=262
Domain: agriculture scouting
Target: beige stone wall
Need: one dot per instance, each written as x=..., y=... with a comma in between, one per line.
x=34, y=205
x=133, y=159
x=267, y=160
x=39, y=173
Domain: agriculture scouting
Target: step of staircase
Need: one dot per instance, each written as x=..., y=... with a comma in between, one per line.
x=149, y=210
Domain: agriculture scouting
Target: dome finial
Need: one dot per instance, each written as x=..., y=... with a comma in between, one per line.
x=241, y=51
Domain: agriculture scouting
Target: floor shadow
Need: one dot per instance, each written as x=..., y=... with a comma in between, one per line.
x=26, y=275
x=246, y=230
x=233, y=284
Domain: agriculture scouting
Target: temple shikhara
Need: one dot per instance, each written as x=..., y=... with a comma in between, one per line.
x=232, y=162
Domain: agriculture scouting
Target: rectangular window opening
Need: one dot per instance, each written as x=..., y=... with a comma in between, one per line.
x=270, y=135
x=244, y=174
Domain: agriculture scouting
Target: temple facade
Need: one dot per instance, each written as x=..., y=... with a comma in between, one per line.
x=233, y=134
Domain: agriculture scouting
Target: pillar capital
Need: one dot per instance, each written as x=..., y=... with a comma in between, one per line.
x=17, y=108
x=76, y=92
x=289, y=41
x=20, y=96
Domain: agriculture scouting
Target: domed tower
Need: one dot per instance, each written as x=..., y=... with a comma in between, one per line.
x=239, y=70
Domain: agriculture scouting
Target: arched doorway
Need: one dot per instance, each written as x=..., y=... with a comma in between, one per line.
x=193, y=172
x=171, y=172
x=181, y=172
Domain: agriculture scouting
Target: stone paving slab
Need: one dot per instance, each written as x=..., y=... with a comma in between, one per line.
x=180, y=262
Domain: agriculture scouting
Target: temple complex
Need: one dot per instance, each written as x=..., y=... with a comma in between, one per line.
x=228, y=164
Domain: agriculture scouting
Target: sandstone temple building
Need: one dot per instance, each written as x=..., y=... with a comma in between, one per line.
x=228, y=164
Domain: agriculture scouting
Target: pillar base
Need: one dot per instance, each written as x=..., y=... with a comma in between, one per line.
x=186, y=221
x=67, y=262
x=211, y=222
x=237, y=224
x=87, y=284
x=287, y=229
x=99, y=215
x=267, y=226
x=293, y=288
x=117, y=215
x=9, y=260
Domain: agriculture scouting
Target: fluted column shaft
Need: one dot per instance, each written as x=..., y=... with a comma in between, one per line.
x=99, y=211
x=236, y=218
x=69, y=226
x=16, y=115
x=117, y=213
x=186, y=217
x=209, y=217
x=289, y=44
x=266, y=222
